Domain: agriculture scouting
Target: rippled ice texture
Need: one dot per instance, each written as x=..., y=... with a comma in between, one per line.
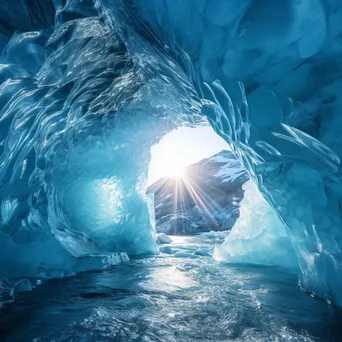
x=87, y=87
x=172, y=299
x=80, y=107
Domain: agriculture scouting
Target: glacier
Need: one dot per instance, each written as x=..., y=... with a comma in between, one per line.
x=258, y=236
x=87, y=87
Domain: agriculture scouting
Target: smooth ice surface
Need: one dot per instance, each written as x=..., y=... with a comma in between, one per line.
x=258, y=236
x=87, y=88
x=166, y=250
x=163, y=238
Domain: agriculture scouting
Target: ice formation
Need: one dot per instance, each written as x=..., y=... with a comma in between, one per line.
x=163, y=238
x=79, y=112
x=258, y=236
x=86, y=89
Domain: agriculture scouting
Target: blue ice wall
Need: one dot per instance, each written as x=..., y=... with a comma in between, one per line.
x=87, y=88
x=80, y=107
x=258, y=237
x=272, y=84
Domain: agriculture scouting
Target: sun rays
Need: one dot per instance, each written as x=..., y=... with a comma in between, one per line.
x=185, y=189
x=169, y=168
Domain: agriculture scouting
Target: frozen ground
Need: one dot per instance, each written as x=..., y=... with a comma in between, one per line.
x=165, y=298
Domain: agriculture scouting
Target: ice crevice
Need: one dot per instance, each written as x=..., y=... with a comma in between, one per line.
x=86, y=88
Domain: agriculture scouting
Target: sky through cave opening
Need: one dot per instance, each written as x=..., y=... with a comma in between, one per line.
x=182, y=147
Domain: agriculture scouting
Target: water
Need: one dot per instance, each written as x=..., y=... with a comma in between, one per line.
x=172, y=299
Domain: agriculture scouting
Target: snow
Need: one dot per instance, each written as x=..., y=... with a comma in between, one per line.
x=219, y=159
x=214, y=235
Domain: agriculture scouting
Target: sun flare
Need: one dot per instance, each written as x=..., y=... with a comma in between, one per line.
x=177, y=170
x=181, y=148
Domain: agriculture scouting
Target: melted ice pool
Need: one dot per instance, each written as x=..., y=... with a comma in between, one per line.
x=172, y=299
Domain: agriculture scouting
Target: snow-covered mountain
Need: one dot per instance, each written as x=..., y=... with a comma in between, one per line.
x=206, y=199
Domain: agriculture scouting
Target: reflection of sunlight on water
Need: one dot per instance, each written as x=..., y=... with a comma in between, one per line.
x=180, y=239
x=171, y=299
x=169, y=278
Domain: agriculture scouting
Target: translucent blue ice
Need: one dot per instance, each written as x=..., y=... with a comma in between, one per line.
x=86, y=89
x=79, y=111
x=258, y=236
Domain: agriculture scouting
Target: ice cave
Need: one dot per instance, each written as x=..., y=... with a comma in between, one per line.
x=87, y=88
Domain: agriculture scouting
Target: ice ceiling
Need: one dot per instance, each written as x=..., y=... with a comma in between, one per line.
x=86, y=89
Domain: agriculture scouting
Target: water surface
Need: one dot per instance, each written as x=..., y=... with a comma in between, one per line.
x=164, y=298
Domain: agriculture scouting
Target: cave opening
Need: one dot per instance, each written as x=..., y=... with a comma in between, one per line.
x=195, y=181
x=87, y=88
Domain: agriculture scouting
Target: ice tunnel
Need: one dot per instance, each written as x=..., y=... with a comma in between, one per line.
x=87, y=87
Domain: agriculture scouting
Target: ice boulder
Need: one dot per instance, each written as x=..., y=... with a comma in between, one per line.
x=186, y=255
x=201, y=252
x=162, y=238
x=166, y=250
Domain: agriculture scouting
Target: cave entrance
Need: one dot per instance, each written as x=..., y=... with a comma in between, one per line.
x=197, y=187
x=195, y=181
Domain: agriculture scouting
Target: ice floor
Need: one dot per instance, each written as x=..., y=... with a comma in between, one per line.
x=172, y=299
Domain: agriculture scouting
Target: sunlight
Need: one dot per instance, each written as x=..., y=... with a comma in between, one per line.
x=180, y=148
x=176, y=170
x=171, y=157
